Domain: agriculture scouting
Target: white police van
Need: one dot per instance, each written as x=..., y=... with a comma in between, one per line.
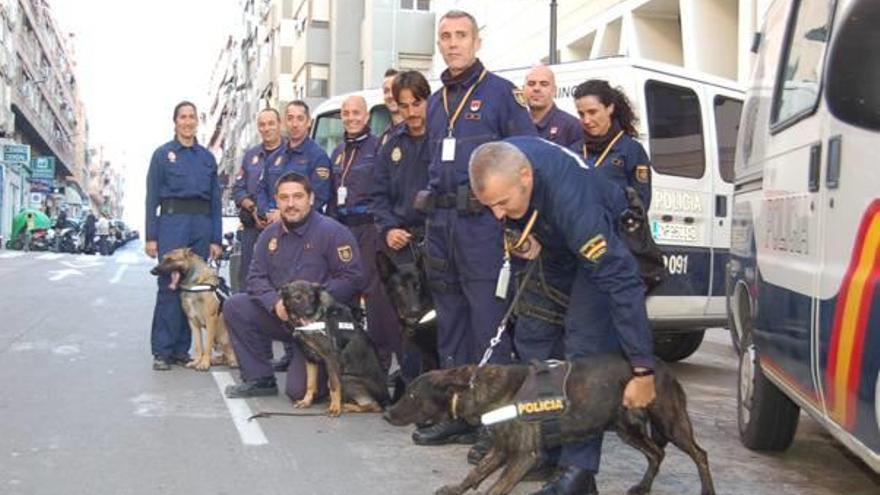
x=805, y=250
x=688, y=124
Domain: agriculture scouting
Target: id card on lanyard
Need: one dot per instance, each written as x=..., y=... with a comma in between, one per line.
x=342, y=191
x=447, y=150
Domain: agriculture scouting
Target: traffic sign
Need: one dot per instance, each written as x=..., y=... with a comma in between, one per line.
x=18, y=153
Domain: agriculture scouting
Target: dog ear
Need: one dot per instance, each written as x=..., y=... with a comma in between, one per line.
x=384, y=266
x=324, y=296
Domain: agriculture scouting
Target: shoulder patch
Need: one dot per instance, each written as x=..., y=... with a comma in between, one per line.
x=595, y=248
x=643, y=173
x=323, y=173
x=396, y=154
x=520, y=98
x=345, y=253
x=273, y=244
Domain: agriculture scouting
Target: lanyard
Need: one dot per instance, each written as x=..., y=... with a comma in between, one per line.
x=461, y=104
x=347, y=166
x=513, y=246
x=607, y=149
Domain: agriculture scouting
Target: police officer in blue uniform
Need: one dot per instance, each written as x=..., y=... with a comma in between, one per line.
x=245, y=188
x=303, y=245
x=182, y=210
x=464, y=242
x=300, y=154
x=353, y=162
x=397, y=120
x=401, y=171
x=553, y=124
x=608, y=141
x=573, y=213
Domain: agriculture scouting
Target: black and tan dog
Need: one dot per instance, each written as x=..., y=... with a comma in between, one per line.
x=197, y=283
x=408, y=290
x=594, y=392
x=355, y=377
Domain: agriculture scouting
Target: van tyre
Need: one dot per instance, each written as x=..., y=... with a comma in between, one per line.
x=677, y=346
x=767, y=419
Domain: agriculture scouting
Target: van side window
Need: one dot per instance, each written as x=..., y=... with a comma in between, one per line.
x=380, y=117
x=727, y=112
x=329, y=131
x=797, y=85
x=675, y=128
x=854, y=68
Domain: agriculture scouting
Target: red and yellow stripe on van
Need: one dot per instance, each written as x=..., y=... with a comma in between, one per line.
x=851, y=320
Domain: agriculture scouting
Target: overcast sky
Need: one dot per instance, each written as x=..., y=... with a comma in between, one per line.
x=135, y=61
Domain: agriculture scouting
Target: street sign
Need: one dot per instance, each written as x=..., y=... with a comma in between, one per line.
x=41, y=185
x=43, y=167
x=18, y=153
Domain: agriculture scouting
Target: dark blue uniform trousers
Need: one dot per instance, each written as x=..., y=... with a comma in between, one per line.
x=248, y=239
x=464, y=256
x=170, y=333
x=382, y=323
x=588, y=331
x=252, y=331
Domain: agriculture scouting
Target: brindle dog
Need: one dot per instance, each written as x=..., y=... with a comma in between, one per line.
x=202, y=308
x=354, y=375
x=595, y=391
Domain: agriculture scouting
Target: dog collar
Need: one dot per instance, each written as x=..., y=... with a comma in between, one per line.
x=199, y=288
x=320, y=326
x=453, y=406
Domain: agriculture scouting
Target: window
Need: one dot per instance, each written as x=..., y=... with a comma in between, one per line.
x=424, y=5
x=318, y=83
x=797, y=87
x=329, y=131
x=727, y=112
x=380, y=117
x=675, y=130
x=854, y=68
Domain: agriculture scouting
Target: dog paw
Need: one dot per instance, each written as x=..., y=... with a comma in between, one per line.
x=232, y=363
x=334, y=410
x=448, y=490
x=639, y=489
x=303, y=404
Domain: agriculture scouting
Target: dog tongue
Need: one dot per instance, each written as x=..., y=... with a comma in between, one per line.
x=175, y=277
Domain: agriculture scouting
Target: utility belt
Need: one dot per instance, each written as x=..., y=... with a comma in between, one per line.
x=462, y=200
x=185, y=206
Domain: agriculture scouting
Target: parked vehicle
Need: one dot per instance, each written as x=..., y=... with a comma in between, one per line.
x=806, y=230
x=688, y=124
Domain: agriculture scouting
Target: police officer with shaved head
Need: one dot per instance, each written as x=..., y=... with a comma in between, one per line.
x=570, y=213
x=553, y=124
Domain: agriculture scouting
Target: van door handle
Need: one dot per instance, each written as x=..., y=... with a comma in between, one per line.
x=832, y=178
x=815, y=164
x=720, y=205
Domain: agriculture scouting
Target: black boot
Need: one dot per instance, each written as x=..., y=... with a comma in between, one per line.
x=571, y=481
x=261, y=387
x=447, y=432
x=479, y=450
x=161, y=364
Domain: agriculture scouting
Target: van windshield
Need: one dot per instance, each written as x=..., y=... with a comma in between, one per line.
x=329, y=131
x=854, y=68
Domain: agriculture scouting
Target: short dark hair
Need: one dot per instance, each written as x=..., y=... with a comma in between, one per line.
x=391, y=71
x=414, y=81
x=179, y=106
x=623, y=111
x=271, y=110
x=294, y=177
x=301, y=104
x=458, y=14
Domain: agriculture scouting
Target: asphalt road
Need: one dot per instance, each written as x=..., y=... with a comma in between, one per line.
x=82, y=412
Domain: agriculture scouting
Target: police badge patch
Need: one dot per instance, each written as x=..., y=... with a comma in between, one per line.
x=643, y=173
x=593, y=249
x=273, y=244
x=345, y=253
x=172, y=157
x=323, y=173
x=255, y=159
x=520, y=98
x=617, y=161
x=396, y=154
x=278, y=160
x=475, y=105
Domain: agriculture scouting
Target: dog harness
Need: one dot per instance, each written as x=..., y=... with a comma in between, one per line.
x=221, y=290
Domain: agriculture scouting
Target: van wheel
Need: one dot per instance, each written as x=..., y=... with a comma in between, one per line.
x=677, y=346
x=767, y=419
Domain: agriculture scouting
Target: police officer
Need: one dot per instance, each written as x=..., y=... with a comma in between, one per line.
x=553, y=124
x=608, y=140
x=300, y=154
x=464, y=242
x=182, y=210
x=244, y=190
x=303, y=245
x=397, y=119
x=571, y=211
x=353, y=162
x=401, y=171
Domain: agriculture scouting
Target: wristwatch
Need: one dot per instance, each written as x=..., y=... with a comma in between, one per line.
x=640, y=372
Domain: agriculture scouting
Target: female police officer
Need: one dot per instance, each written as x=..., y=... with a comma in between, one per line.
x=608, y=142
x=182, y=210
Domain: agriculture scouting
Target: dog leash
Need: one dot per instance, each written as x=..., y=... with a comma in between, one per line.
x=501, y=326
x=268, y=414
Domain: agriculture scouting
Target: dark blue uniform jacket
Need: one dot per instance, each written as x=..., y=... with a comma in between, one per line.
x=307, y=159
x=353, y=162
x=560, y=127
x=248, y=179
x=400, y=172
x=626, y=164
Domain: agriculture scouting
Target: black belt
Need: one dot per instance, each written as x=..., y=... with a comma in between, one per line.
x=446, y=201
x=185, y=206
x=356, y=219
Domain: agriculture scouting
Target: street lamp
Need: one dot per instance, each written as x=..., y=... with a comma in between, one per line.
x=554, y=59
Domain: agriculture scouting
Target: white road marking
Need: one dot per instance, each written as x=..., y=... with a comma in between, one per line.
x=50, y=256
x=249, y=431
x=60, y=274
x=118, y=275
x=82, y=263
x=11, y=254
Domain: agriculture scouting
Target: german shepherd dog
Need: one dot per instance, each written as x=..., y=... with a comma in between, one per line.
x=594, y=391
x=407, y=288
x=354, y=375
x=202, y=307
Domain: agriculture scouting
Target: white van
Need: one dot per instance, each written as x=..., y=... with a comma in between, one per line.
x=805, y=250
x=688, y=124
